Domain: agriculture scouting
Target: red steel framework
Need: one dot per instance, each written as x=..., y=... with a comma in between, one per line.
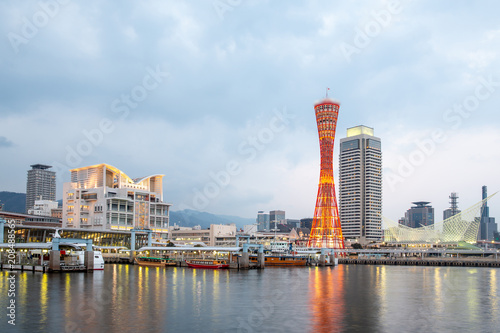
x=326, y=230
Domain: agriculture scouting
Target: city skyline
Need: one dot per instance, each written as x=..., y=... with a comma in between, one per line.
x=209, y=96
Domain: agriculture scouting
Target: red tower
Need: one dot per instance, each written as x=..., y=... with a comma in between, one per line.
x=326, y=231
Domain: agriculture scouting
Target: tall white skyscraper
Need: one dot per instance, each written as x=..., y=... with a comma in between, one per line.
x=360, y=184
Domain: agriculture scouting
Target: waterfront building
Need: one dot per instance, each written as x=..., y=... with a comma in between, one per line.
x=360, y=184
x=102, y=197
x=326, y=230
x=488, y=227
x=422, y=214
x=43, y=207
x=263, y=220
x=453, y=210
x=21, y=219
x=454, y=231
x=217, y=235
x=40, y=185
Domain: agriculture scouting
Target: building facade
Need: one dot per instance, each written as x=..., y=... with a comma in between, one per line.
x=263, y=220
x=101, y=197
x=360, y=184
x=276, y=217
x=487, y=226
x=420, y=215
x=43, y=207
x=217, y=235
x=40, y=185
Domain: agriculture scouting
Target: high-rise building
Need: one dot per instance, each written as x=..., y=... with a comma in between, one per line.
x=360, y=184
x=488, y=227
x=102, y=197
x=422, y=214
x=40, y=185
x=262, y=221
x=453, y=210
x=276, y=217
x=326, y=230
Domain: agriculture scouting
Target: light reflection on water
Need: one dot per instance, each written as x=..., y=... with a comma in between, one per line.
x=346, y=298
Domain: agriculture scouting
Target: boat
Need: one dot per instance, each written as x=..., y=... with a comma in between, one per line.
x=98, y=259
x=207, y=263
x=281, y=260
x=155, y=262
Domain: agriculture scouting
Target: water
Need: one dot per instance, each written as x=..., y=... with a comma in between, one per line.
x=347, y=298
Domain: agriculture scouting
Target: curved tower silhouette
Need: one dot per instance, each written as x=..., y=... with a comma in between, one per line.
x=326, y=230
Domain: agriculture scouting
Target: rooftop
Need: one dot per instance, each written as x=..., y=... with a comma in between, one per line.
x=40, y=166
x=358, y=130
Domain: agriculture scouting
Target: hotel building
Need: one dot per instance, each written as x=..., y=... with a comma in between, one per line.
x=102, y=197
x=360, y=184
x=40, y=185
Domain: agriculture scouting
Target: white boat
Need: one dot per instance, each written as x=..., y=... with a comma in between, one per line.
x=80, y=254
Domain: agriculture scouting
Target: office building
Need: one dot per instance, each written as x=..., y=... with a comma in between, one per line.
x=40, y=185
x=263, y=221
x=453, y=210
x=102, y=197
x=360, y=184
x=487, y=226
x=276, y=217
x=420, y=215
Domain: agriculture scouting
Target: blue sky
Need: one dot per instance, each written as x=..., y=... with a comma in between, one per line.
x=218, y=96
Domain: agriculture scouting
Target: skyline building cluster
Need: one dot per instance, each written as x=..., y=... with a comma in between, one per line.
x=102, y=197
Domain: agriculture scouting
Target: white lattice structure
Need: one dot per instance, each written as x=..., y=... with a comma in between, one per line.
x=463, y=227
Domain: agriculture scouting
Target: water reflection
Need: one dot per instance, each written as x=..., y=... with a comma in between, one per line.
x=346, y=298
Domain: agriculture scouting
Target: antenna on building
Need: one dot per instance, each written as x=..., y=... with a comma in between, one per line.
x=326, y=94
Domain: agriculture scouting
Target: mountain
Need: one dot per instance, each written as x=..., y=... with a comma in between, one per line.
x=13, y=202
x=191, y=218
x=16, y=202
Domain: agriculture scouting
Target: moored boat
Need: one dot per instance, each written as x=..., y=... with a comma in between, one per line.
x=207, y=263
x=155, y=262
x=281, y=260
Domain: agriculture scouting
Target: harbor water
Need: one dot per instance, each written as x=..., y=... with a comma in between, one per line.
x=346, y=298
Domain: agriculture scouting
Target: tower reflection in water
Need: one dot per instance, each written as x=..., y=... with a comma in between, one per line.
x=327, y=299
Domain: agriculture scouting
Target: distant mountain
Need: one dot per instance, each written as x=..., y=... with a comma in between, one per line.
x=16, y=202
x=13, y=202
x=191, y=218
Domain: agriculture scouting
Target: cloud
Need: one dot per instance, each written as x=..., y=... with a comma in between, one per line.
x=225, y=79
x=5, y=143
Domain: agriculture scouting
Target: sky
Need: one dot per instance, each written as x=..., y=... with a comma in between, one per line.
x=218, y=96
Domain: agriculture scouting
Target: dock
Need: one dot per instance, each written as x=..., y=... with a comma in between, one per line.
x=474, y=262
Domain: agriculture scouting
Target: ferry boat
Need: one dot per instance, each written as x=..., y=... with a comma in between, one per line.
x=98, y=259
x=281, y=260
x=155, y=262
x=207, y=263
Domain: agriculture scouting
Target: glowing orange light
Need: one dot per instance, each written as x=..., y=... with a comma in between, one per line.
x=326, y=230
